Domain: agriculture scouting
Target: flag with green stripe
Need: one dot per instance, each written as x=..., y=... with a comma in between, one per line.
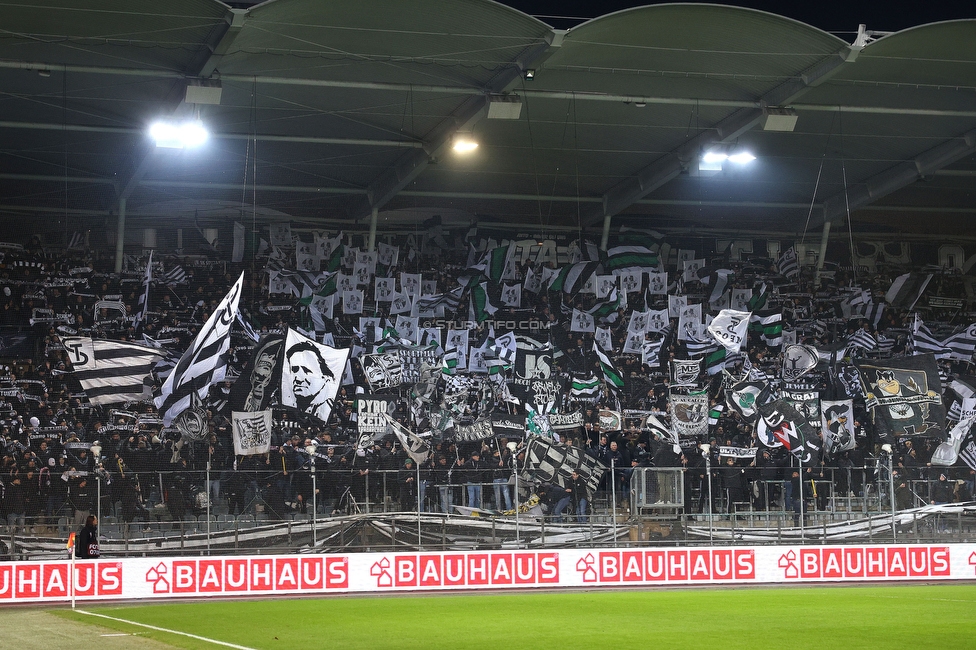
x=610, y=372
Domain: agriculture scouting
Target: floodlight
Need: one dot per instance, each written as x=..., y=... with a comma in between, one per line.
x=463, y=144
x=182, y=135
x=741, y=158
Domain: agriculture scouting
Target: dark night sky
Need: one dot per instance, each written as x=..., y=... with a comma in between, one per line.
x=829, y=15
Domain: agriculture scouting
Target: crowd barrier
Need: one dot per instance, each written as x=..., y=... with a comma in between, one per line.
x=150, y=578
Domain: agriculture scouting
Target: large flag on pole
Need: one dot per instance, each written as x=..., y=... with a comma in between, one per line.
x=204, y=363
x=111, y=371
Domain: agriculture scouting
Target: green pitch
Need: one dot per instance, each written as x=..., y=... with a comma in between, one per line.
x=827, y=617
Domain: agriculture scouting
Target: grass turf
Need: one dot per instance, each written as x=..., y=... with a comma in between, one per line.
x=911, y=616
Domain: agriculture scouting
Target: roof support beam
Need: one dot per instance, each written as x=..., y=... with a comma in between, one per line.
x=669, y=166
x=303, y=139
x=464, y=117
x=897, y=177
x=235, y=22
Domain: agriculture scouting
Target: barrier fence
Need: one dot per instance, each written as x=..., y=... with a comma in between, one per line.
x=329, y=512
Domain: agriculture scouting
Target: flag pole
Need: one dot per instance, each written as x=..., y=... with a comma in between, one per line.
x=71, y=568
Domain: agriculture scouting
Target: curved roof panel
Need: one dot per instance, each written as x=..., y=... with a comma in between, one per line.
x=705, y=51
x=167, y=35
x=395, y=41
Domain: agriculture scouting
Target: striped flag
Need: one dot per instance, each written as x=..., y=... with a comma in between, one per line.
x=449, y=362
x=924, y=342
x=481, y=307
x=715, y=361
x=606, y=310
x=905, y=291
x=788, y=264
x=769, y=324
x=112, y=371
x=77, y=240
x=495, y=261
x=204, y=363
x=584, y=387
x=715, y=413
x=622, y=258
x=759, y=298
x=863, y=339
x=175, y=275
x=962, y=345
x=570, y=279
x=610, y=372
x=958, y=347
x=143, y=305
x=449, y=301
x=651, y=353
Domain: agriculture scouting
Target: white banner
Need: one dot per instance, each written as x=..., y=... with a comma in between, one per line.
x=252, y=432
x=729, y=328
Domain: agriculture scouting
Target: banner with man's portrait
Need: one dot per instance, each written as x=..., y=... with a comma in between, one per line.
x=310, y=375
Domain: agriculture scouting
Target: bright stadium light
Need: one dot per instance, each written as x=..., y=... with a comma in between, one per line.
x=713, y=157
x=463, y=144
x=741, y=158
x=182, y=135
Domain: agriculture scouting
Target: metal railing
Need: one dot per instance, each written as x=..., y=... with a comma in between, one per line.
x=328, y=511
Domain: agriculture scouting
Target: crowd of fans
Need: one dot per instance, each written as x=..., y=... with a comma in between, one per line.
x=60, y=452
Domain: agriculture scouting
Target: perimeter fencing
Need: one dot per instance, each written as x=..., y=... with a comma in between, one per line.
x=170, y=513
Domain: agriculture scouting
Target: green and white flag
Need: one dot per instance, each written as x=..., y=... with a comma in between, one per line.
x=584, y=387
x=610, y=372
x=481, y=307
x=769, y=324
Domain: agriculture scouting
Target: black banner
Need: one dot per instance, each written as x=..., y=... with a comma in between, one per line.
x=906, y=395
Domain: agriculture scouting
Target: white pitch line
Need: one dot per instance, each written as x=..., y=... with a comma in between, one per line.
x=163, y=629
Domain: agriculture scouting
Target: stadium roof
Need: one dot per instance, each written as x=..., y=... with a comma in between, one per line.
x=328, y=110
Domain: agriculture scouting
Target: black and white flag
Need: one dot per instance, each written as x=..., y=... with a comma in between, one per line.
x=204, y=363
x=787, y=264
x=729, y=328
x=415, y=446
x=143, y=307
x=111, y=371
x=837, y=425
x=252, y=432
x=905, y=291
x=311, y=374
x=549, y=462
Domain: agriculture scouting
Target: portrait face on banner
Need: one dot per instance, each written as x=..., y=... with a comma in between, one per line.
x=311, y=374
